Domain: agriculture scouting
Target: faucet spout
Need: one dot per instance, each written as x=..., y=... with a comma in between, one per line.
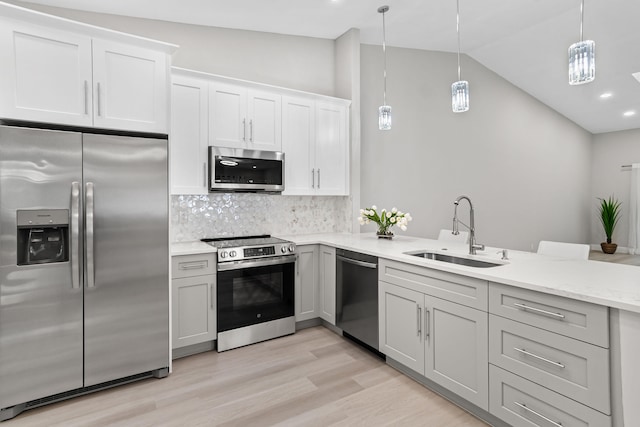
x=473, y=246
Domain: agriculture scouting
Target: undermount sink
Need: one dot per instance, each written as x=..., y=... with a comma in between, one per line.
x=454, y=259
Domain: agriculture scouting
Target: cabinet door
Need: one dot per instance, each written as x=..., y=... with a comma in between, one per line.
x=298, y=139
x=130, y=87
x=307, y=293
x=227, y=115
x=327, y=267
x=188, y=141
x=400, y=325
x=45, y=75
x=265, y=120
x=456, y=349
x=193, y=310
x=331, y=149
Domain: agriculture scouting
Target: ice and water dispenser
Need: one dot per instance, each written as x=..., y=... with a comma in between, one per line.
x=43, y=236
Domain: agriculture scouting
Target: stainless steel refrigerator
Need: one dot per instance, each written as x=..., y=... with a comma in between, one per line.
x=84, y=286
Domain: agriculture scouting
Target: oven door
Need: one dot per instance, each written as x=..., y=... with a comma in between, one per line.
x=257, y=291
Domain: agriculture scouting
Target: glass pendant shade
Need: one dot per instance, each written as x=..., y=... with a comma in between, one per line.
x=384, y=117
x=460, y=96
x=582, y=62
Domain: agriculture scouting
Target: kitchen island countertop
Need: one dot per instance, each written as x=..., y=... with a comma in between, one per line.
x=612, y=285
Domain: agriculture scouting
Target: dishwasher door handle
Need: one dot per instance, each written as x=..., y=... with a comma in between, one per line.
x=356, y=262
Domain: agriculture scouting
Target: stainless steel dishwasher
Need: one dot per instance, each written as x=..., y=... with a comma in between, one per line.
x=357, y=296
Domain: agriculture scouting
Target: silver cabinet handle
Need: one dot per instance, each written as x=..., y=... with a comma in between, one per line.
x=251, y=130
x=313, y=178
x=357, y=262
x=318, y=178
x=75, y=235
x=244, y=129
x=86, y=97
x=426, y=322
x=535, y=356
x=213, y=295
x=89, y=213
x=538, y=310
x=204, y=174
x=523, y=406
x=194, y=265
x=419, y=319
x=98, y=100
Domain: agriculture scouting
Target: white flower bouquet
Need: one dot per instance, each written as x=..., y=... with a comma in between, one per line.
x=385, y=219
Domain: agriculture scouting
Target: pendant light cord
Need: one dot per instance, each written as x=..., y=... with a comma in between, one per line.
x=458, y=31
x=384, y=52
x=581, y=18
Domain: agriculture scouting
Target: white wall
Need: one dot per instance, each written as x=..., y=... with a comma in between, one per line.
x=302, y=63
x=611, y=151
x=525, y=167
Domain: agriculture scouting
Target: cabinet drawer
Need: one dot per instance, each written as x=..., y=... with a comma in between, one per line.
x=192, y=265
x=452, y=287
x=576, y=319
x=570, y=367
x=520, y=402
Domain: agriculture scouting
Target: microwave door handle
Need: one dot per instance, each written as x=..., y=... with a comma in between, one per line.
x=75, y=235
x=91, y=278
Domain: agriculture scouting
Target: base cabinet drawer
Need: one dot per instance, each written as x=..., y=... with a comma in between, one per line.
x=193, y=265
x=576, y=319
x=570, y=367
x=520, y=402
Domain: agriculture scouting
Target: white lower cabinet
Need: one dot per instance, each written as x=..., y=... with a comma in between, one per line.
x=193, y=299
x=441, y=340
x=307, y=304
x=327, y=288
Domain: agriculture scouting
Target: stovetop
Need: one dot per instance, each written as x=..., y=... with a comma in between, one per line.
x=250, y=247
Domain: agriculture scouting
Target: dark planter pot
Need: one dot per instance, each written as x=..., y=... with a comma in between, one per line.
x=609, y=248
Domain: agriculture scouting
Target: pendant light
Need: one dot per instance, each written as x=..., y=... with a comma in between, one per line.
x=384, y=112
x=582, y=58
x=459, y=89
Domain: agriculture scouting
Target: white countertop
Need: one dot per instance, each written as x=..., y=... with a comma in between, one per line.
x=603, y=283
x=191, y=248
x=613, y=285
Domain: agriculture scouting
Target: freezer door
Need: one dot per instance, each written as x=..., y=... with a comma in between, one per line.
x=41, y=300
x=127, y=256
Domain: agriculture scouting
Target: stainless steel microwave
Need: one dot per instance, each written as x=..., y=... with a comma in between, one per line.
x=239, y=170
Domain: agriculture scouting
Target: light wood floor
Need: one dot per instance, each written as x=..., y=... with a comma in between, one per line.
x=312, y=378
x=618, y=258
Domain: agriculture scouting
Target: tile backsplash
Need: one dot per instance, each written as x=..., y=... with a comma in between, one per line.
x=241, y=214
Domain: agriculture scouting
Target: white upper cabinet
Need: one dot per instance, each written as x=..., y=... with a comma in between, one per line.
x=45, y=75
x=332, y=149
x=316, y=146
x=244, y=118
x=298, y=116
x=63, y=72
x=130, y=86
x=188, y=140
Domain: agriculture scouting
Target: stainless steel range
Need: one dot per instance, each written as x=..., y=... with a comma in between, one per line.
x=255, y=289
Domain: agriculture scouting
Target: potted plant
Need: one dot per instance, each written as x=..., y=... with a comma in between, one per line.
x=385, y=220
x=609, y=210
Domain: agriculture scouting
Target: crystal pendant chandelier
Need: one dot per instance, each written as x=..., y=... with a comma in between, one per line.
x=582, y=58
x=459, y=89
x=384, y=112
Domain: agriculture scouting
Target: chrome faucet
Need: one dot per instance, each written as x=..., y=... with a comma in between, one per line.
x=473, y=246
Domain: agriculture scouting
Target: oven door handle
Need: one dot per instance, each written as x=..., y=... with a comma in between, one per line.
x=238, y=265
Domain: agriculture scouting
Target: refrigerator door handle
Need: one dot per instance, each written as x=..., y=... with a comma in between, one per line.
x=91, y=279
x=75, y=235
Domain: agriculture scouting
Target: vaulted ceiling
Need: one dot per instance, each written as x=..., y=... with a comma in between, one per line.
x=524, y=41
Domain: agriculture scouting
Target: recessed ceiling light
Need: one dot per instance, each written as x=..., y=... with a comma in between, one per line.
x=629, y=113
x=636, y=76
x=606, y=95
